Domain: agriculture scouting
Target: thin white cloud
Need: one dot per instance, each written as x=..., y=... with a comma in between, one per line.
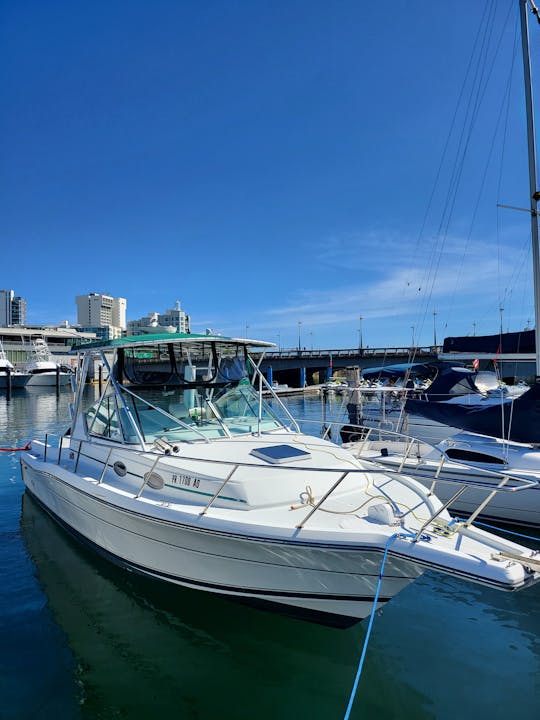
x=393, y=289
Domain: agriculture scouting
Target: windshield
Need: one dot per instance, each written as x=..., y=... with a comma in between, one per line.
x=200, y=412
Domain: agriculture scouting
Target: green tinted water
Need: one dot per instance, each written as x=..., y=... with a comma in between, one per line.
x=80, y=638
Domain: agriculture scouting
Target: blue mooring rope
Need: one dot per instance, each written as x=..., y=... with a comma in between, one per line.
x=377, y=591
x=504, y=530
x=370, y=625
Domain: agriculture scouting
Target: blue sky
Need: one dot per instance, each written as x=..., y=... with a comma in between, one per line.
x=268, y=164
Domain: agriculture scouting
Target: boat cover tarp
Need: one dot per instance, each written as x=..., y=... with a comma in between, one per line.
x=450, y=382
x=516, y=419
x=400, y=370
x=515, y=342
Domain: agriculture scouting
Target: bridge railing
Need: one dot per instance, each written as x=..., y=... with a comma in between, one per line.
x=352, y=352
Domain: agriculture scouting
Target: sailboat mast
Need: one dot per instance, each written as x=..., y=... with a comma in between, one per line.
x=532, y=174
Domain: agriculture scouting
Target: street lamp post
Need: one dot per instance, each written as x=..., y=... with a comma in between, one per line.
x=434, y=329
x=360, y=340
x=412, y=336
x=299, y=336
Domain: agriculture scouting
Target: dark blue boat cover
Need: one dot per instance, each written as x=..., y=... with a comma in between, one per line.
x=515, y=342
x=451, y=381
x=400, y=370
x=517, y=419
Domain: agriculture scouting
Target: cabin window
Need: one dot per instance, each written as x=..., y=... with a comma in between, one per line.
x=238, y=407
x=102, y=419
x=472, y=456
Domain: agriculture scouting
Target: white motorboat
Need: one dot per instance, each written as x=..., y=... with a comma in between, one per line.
x=335, y=384
x=484, y=464
x=181, y=471
x=9, y=376
x=43, y=369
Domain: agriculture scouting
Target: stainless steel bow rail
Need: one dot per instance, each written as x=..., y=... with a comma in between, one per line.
x=413, y=446
x=373, y=469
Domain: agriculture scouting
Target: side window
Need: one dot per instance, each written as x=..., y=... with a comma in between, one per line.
x=102, y=419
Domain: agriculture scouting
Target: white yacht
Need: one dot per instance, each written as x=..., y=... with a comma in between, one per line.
x=181, y=471
x=9, y=376
x=43, y=369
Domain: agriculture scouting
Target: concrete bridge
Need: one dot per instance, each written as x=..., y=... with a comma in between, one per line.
x=298, y=368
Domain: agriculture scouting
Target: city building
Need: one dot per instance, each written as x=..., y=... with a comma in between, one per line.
x=18, y=311
x=103, y=315
x=12, y=309
x=172, y=320
x=102, y=332
x=119, y=313
x=6, y=298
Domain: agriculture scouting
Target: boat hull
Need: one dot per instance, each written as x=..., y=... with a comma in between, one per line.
x=333, y=584
x=47, y=379
x=516, y=508
x=17, y=381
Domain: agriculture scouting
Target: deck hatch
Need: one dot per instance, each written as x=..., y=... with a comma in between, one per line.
x=280, y=453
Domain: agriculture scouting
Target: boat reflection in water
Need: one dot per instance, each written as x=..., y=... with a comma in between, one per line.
x=143, y=647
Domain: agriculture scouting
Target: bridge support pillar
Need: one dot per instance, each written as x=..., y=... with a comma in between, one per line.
x=302, y=377
x=269, y=375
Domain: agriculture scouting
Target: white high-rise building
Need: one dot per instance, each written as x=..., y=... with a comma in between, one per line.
x=97, y=310
x=176, y=317
x=119, y=312
x=171, y=318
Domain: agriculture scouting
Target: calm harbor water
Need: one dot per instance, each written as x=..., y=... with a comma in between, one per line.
x=80, y=638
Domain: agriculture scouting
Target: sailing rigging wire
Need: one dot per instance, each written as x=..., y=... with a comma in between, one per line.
x=504, y=107
x=471, y=109
x=484, y=70
x=501, y=165
x=485, y=51
x=534, y=10
x=447, y=142
x=437, y=248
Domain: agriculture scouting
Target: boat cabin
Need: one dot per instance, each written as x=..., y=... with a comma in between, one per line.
x=175, y=388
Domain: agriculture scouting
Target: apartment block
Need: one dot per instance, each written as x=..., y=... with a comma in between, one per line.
x=98, y=310
x=12, y=309
x=172, y=318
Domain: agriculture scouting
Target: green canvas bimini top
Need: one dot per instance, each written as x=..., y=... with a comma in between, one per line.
x=161, y=338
